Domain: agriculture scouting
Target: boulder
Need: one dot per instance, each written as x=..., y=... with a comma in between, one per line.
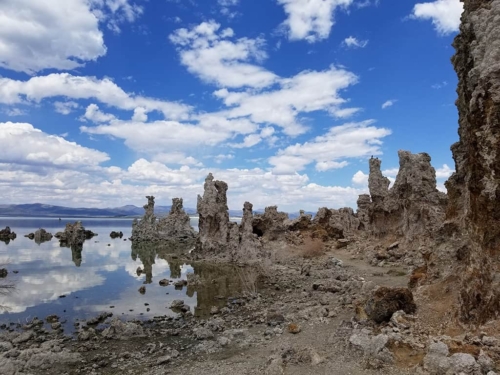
x=386, y=301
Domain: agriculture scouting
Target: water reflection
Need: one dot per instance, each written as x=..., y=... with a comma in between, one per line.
x=103, y=273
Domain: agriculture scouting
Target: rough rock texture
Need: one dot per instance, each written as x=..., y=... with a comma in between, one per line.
x=474, y=190
x=7, y=235
x=271, y=225
x=41, y=235
x=250, y=246
x=412, y=209
x=338, y=224
x=213, y=222
x=74, y=235
x=175, y=225
x=386, y=301
x=220, y=238
x=302, y=222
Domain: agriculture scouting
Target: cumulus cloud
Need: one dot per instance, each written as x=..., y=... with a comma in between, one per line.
x=94, y=114
x=351, y=140
x=444, y=14
x=65, y=108
x=310, y=20
x=23, y=144
x=306, y=92
x=210, y=54
x=61, y=36
x=352, y=42
x=388, y=103
x=360, y=178
x=115, y=12
x=444, y=172
x=75, y=87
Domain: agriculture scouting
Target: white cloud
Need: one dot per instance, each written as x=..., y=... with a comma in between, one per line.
x=346, y=141
x=444, y=14
x=177, y=157
x=227, y=7
x=65, y=108
x=140, y=115
x=352, y=42
x=21, y=143
x=388, y=103
x=94, y=114
x=157, y=136
x=116, y=12
x=63, y=35
x=360, y=178
x=306, y=92
x=221, y=157
x=14, y=112
x=66, y=85
x=311, y=20
x=444, y=172
x=440, y=85
x=215, y=59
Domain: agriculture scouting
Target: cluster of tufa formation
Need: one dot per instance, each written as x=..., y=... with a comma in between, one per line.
x=474, y=190
x=219, y=237
x=74, y=235
x=412, y=209
x=6, y=235
x=40, y=236
x=175, y=226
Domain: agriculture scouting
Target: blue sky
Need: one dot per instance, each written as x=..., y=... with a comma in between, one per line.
x=105, y=101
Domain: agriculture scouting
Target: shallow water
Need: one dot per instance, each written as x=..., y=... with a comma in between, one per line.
x=103, y=274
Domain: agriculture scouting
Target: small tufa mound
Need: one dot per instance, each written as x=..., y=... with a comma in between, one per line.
x=6, y=235
x=386, y=301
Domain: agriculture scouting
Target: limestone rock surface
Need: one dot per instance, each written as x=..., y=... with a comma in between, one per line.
x=175, y=226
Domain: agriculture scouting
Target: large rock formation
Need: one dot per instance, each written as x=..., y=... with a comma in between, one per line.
x=271, y=224
x=413, y=208
x=474, y=190
x=213, y=225
x=175, y=226
x=74, y=235
x=218, y=237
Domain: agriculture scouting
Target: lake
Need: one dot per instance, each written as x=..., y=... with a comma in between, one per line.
x=74, y=285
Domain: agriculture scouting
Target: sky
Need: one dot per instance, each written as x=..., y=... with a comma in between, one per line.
x=103, y=102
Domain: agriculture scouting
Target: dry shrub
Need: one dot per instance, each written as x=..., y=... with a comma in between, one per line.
x=312, y=248
x=249, y=278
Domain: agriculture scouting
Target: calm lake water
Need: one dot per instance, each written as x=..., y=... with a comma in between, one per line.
x=102, y=275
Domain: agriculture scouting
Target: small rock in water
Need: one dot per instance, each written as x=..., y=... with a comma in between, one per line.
x=142, y=289
x=164, y=282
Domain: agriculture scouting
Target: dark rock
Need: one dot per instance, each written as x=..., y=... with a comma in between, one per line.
x=386, y=301
x=114, y=234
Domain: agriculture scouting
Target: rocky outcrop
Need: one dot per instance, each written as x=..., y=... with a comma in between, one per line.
x=474, y=189
x=218, y=237
x=213, y=222
x=114, y=234
x=6, y=235
x=177, y=223
x=302, y=222
x=74, y=235
x=271, y=224
x=384, y=302
x=413, y=208
x=40, y=236
x=175, y=226
x=335, y=224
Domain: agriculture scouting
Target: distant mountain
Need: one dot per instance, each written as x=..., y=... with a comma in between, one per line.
x=38, y=209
